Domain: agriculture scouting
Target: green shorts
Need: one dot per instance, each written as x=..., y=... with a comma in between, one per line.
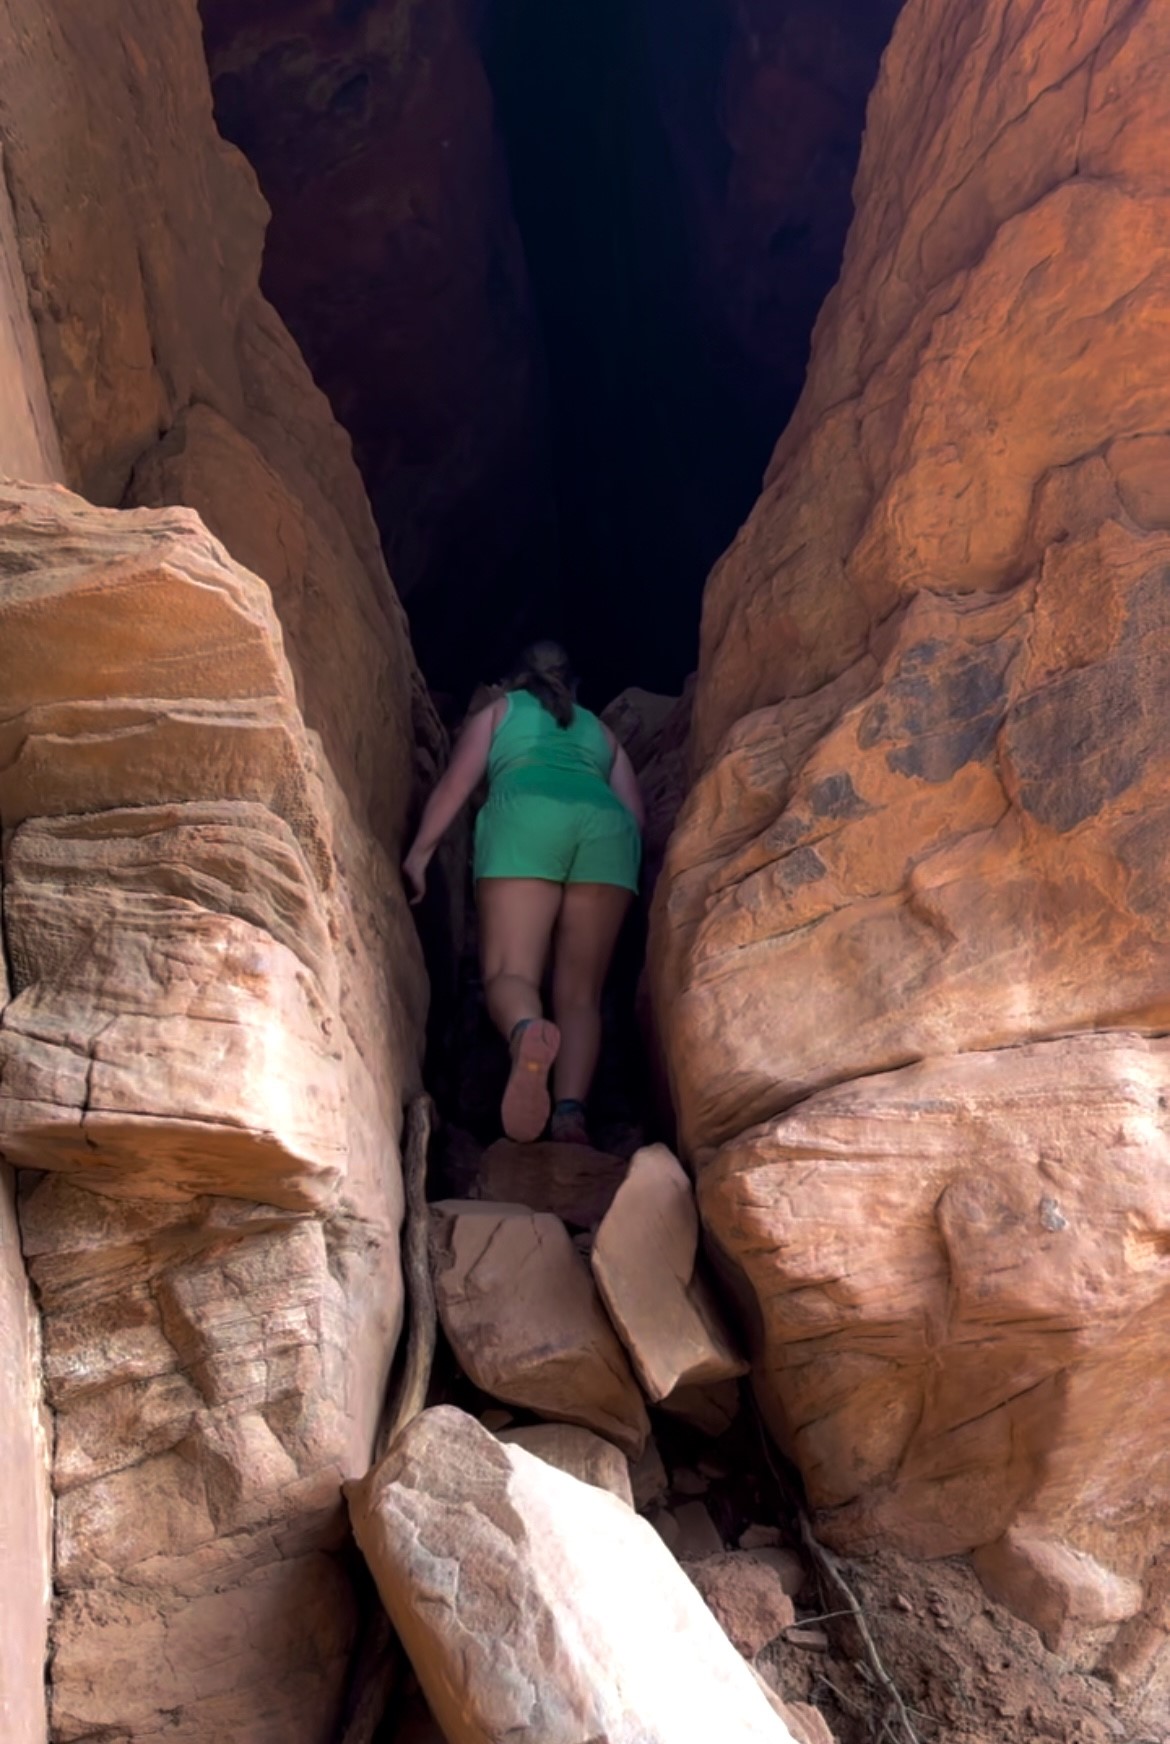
x=568, y=841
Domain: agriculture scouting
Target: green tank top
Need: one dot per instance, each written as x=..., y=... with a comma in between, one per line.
x=530, y=751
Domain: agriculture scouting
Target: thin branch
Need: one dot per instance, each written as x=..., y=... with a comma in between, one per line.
x=830, y=1570
x=377, y=1661
x=411, y=1394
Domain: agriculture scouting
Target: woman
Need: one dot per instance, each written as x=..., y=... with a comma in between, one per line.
x=557, y=852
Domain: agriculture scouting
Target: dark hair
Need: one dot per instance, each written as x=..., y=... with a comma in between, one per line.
x=544, y=671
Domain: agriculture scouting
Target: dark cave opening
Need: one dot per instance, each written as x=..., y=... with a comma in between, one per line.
x=557, y=269
x=655, y=458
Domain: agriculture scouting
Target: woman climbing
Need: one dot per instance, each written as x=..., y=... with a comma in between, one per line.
x=557, y=853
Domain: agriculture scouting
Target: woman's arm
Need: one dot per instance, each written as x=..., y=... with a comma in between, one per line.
x=625, y=784
x=450, y=794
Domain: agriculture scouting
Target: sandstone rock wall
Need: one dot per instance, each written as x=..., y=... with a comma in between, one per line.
x=394, y=253
x=28, y=449
x=207, y=758
x=28, y=435
x=912, y=935
x=25, y=1550
x=170, y=377
x=203, y=1055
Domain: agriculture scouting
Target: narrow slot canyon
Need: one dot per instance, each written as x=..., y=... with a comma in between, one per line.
x=557, y=269
x=795, y=364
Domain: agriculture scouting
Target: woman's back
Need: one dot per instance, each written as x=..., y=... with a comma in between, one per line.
x=530, y=750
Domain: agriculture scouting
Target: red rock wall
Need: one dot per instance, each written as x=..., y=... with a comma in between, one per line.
x=25, y=1551
x=28, y=450
x=913, y=936
x=217, y=996
x=394, y=252
x=28, y=436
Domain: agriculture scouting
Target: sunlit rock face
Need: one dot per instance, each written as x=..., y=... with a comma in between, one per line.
x=911, y=938
x=199, y=1057
x=210, y=728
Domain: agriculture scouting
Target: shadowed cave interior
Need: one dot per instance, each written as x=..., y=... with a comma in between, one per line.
x=557, y=268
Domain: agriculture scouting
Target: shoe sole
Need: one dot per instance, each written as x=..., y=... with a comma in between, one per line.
x=526, y=1106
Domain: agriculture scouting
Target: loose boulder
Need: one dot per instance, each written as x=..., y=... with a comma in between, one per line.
x=574, y=1182
x=519, y=1308
x=644, y=1260
x=539, y=1610
x=747, y=1596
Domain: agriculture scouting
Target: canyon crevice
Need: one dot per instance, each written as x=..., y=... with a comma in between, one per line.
x=907, y=991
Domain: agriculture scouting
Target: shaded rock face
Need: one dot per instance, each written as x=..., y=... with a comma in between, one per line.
x=28, y=440
x=393, y=253
x=556, y=269
x=763, y=104
x=927, y=825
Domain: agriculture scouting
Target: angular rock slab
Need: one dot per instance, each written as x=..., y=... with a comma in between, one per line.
x=170, y=893
x=574, y=1182
x=537, y=1608
x=962, y=1281
x=519, y=1308
x=644, y=1262
x=171, y=1032
x=1058, y=1590
x=747, y=1596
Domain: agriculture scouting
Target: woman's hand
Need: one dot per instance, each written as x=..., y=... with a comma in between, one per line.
x=414, y=869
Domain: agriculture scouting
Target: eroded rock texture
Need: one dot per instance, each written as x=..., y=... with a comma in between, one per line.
x=217, y=998
x=930, y=825
x=199, y=1049
x=536, y=1607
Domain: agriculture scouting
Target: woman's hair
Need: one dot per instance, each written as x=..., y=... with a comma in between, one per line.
x=543, y=670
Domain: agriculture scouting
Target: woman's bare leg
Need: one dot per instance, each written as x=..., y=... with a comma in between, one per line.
x=591, y=919
x=516, y=920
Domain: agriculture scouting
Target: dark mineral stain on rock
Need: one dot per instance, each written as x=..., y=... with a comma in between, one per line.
x=836, y=797
x=805, y=866
x=940, y=712
x=1087, y=737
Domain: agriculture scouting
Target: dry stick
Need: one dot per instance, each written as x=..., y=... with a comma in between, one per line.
x=830, y=1569
x=411, y=1393
x=376, y=1668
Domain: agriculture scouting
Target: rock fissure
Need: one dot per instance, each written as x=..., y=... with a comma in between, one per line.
x=925, y=1111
